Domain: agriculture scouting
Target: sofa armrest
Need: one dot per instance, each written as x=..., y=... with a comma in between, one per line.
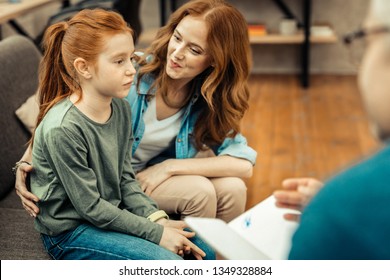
x=19, y=62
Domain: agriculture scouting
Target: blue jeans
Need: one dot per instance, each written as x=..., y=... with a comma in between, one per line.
x=89, y=242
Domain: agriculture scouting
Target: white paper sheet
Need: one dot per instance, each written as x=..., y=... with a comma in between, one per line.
x=264, y=227
x=259, y=233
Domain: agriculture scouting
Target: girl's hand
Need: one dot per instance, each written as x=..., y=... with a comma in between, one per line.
x=176, y=241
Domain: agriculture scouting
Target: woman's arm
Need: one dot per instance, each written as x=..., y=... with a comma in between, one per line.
x=217, y=166
x=27, y=198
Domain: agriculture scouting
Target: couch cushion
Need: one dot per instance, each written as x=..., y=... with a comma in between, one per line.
x=28, y=112
x=11, y=200
x=18, y=238
x=19, y=60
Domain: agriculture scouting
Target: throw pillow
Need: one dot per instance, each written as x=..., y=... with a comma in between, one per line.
x=28, y=112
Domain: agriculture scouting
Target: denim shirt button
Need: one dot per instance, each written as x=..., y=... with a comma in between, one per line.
x=179, y=140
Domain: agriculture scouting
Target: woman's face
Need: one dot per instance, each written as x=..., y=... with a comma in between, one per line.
x=188, y=54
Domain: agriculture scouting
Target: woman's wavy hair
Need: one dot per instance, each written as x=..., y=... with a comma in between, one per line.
x=84, y=35
x=224, y=84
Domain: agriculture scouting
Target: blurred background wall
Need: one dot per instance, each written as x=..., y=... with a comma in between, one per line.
x=343, y=15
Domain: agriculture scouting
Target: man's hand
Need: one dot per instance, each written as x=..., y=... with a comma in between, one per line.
x=296, y=194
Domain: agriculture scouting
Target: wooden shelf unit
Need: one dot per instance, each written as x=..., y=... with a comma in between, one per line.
x=298, y=38
x=148, y=35
x=303, y=38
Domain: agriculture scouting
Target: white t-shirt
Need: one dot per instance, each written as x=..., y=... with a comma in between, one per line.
x=157, y=137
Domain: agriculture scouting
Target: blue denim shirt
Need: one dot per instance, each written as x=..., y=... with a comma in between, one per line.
x=184, y=144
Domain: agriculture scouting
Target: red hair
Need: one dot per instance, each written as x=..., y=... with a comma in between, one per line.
x=224, y=88
x=84, y=35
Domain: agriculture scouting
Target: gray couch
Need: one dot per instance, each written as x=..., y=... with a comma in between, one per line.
x=19, y=60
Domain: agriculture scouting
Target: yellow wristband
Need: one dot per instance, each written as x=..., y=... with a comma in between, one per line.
x=157, y=216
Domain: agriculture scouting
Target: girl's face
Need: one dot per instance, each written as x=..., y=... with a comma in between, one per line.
x=188, y=54
x=115, y=72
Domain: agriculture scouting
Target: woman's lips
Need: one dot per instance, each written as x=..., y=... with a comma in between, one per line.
x=174, y=64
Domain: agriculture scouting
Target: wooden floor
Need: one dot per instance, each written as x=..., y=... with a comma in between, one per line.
x=303, y=132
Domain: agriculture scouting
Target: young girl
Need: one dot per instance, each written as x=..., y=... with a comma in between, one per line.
x=91, y=205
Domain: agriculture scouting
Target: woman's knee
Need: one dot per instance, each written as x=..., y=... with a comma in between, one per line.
x=202, y=189
x=239, y=187
x=230, y=187
x=231, y=194
x=202, y=198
